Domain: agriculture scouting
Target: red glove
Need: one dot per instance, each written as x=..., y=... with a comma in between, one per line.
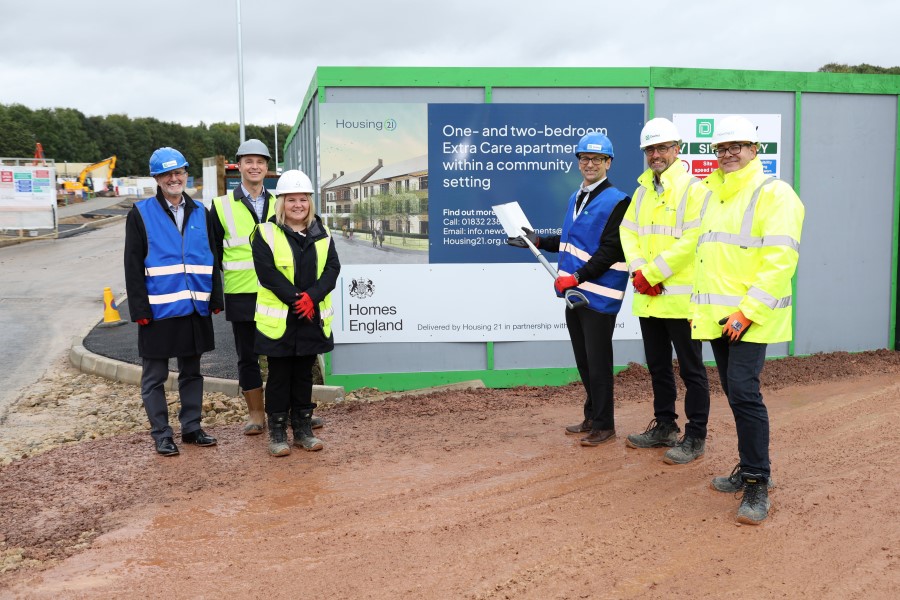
x=143, y=321
x=734, y=326
x=304, y=307
x=656, y=290
x=565, y=282
x=217, y=311
x=641, y=285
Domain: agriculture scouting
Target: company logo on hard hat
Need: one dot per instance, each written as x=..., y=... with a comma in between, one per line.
x=596, y=147
x=169, y=163
x=361, y=287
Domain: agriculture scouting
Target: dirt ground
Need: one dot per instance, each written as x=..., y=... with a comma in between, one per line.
x=477, y=495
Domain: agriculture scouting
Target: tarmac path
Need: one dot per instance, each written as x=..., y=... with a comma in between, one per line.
x=52, y=291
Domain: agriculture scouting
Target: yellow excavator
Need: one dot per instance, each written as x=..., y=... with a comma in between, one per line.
x=102, y=170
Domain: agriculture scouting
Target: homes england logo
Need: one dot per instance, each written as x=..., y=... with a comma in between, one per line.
x=362, y=287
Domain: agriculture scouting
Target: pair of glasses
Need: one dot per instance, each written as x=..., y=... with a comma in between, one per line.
x=597, y=160
x=661, y=149
x=733, y=149
x=175, y=173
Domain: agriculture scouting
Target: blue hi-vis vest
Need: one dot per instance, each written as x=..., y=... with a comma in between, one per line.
x=178, y=267
x=579, y=241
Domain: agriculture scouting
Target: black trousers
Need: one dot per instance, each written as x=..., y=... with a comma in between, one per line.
x=190, y=392
x=740, y=365
x=660, y=336
x=290, y=383
x=249, y=375
x=591, y=333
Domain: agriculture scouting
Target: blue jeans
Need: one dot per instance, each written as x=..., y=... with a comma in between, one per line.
x=740, y=365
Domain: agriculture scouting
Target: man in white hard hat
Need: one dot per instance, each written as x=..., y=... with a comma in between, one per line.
x=234, y=216
x=659, y=236
x=747, y=255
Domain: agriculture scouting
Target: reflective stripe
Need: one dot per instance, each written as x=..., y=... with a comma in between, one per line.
x=179, y=268
x=235, y=241
x=602, y=290
x=576, y=252
x=705, y=203
x=678, y=230
x=238, y=266
x=276, y=313
x=663, y=267
x=716, y=299
x=228, y=213
x=328, y=312
x=637, y=263
x=630, y=224
x=745, y=241
x=619, y=266
x=678, y=290
x=768, y=299
x=182, y=295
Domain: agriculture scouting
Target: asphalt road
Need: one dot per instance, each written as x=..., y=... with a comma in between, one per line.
x=51, y=291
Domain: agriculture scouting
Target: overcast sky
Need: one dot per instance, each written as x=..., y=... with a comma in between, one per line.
x=177, y=61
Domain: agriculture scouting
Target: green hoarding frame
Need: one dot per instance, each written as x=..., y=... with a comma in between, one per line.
x=650, y=78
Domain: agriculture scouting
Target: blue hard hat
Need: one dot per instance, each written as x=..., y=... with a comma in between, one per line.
x=596, y=143
x=166, y=159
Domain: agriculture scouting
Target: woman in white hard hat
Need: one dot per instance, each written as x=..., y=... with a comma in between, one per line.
x=297, y=266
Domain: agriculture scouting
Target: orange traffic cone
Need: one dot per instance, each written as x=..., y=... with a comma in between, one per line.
x=111, y=316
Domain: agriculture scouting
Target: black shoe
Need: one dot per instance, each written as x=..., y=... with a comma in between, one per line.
x=166, y=447
x=657, y=435
x=199, y=437
x=755, y=504
x=583, y=427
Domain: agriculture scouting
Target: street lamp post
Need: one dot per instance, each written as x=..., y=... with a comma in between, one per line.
x=275, y=127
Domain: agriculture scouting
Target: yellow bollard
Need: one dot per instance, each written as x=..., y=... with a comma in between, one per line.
x=111, y=316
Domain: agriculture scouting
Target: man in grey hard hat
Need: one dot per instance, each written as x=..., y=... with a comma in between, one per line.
x=234, y=216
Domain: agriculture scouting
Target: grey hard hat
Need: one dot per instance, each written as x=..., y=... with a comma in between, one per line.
x=254, y=147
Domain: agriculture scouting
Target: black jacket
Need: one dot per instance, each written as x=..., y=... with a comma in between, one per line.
x=302, y=336
x=178, y=336
x=238, y=307
x=610, y=251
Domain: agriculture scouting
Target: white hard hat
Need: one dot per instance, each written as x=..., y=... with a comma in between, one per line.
x=657, y=131
x=293, y=182
x=735, y=129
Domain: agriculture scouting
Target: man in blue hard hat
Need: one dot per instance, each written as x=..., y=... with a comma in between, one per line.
x=591, y=260
x=174, y=286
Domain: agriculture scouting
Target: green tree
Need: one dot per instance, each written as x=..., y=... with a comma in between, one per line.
x=864, y=68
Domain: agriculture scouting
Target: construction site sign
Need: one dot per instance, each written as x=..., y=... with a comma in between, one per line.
x=27, y=197
x=697, y=133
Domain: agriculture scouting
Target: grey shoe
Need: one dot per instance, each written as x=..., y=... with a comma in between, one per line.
x=733, y=483
x=688, y=450
x=657, y=435
x=317, y=422
x=303, y=435
x=755, y=504
x=278, y=445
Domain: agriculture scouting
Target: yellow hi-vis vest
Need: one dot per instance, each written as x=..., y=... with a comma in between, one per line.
x=237, y=256
x=659, y=237
x=271, y=313
x=747, y=254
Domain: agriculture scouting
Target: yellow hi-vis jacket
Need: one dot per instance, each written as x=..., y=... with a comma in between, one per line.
x=747, y=254
x=237, y=256
x=271, y=313
x=659, y=236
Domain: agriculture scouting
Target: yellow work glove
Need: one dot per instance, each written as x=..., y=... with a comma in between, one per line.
x=734, y=326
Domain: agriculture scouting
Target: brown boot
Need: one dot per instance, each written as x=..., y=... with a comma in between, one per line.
x=256, y=420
